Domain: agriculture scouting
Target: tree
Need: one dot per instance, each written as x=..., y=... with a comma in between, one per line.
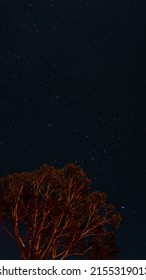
x=53, y=215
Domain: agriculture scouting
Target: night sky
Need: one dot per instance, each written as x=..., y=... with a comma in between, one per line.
x=72, y=89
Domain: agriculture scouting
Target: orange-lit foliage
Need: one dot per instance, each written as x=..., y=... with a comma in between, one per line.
x=54, y=216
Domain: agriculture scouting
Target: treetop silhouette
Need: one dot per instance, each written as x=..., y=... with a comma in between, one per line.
x=53, y=215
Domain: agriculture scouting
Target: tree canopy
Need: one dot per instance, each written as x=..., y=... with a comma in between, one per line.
x=55, y=216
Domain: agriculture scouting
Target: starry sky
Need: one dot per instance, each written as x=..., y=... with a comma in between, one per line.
x=72, y=89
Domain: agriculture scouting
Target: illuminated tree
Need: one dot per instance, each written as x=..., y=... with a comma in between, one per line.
x=53, y=215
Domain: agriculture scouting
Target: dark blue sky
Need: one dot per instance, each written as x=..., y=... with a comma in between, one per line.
x=72, y=89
